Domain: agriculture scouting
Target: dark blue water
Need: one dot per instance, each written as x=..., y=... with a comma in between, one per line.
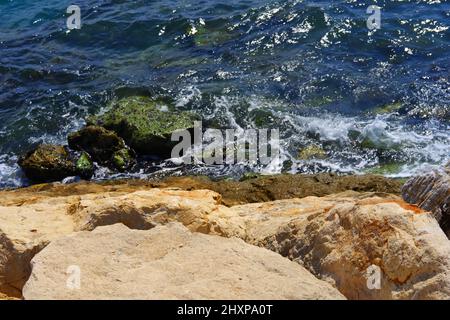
x=370, y=100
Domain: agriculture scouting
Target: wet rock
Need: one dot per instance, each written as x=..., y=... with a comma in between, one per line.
x=104, y=146
x=312, y=152
x=145, y=124
x=123, y=159
x=85, y=166
x=48, y=163
x=431, y=192
x=168, y=262
x=97, y=141
x=284, y=186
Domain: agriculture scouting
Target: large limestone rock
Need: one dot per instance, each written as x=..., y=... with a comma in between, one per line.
x=341, y=238
x=335, y=237
x=28, y=224
x=431, y=192
x=167, y=262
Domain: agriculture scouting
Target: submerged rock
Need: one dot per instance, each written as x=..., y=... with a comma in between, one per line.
x=48, y=163
x=431, y=192
x=312, y=152
x=168, y=262
x=104, y=146
x=145, y=124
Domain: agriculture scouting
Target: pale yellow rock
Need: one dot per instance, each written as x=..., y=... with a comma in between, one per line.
x=28, y=226
x=167, y=262
x=335, y=237
x=339, y=237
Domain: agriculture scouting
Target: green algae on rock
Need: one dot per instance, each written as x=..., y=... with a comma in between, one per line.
x=104, y=146
x=386, y=168
x=85, y=166
x=145, y=124
x=47, y=163
x=123, y=159
x=312, y=152
x=97, y=141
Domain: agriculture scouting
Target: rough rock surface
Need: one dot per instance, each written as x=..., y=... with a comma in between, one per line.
x=47, y=163
x=145, y=124
x=335, y=237
x=167, y=262
x=28, y=225
x=104, y=146
x=284, y=186
x=338, y=237
x=431, y=192
x=254, y=189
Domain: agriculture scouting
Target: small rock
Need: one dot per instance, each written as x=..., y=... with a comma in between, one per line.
x=85, y=166
x=47, y=163
x=104, y=146
x=312, y=152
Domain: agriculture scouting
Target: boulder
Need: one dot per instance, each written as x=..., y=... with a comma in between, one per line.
x=339, y=238
x=431, y=191
x=31, y=222
x=47, y=163
x=104, y=146
x=345, y=238
x=145, y=124
x=167, y=262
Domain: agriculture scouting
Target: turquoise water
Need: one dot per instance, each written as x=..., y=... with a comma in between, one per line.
x=371, y=100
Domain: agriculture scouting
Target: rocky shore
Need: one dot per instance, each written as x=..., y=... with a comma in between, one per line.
x=323, y=236
x=275, y=237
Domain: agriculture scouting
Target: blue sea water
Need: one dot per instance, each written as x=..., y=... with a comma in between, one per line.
x=372, y=100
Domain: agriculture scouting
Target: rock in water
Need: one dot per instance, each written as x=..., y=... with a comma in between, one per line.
x=104, y=146
x=85, y=166
x=145, y=124
x=431, y=192
x=167, y=262
x=48, y=163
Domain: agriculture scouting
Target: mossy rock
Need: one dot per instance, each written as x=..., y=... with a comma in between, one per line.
x=388, y=108
x=85, y=166
x=145, y=124
x=249, y=176
x=123, y=159
x=312, y=152
x=210, y=37
x=47, y=163
x=262, y=118
x=385, y=169
x=97, y=141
